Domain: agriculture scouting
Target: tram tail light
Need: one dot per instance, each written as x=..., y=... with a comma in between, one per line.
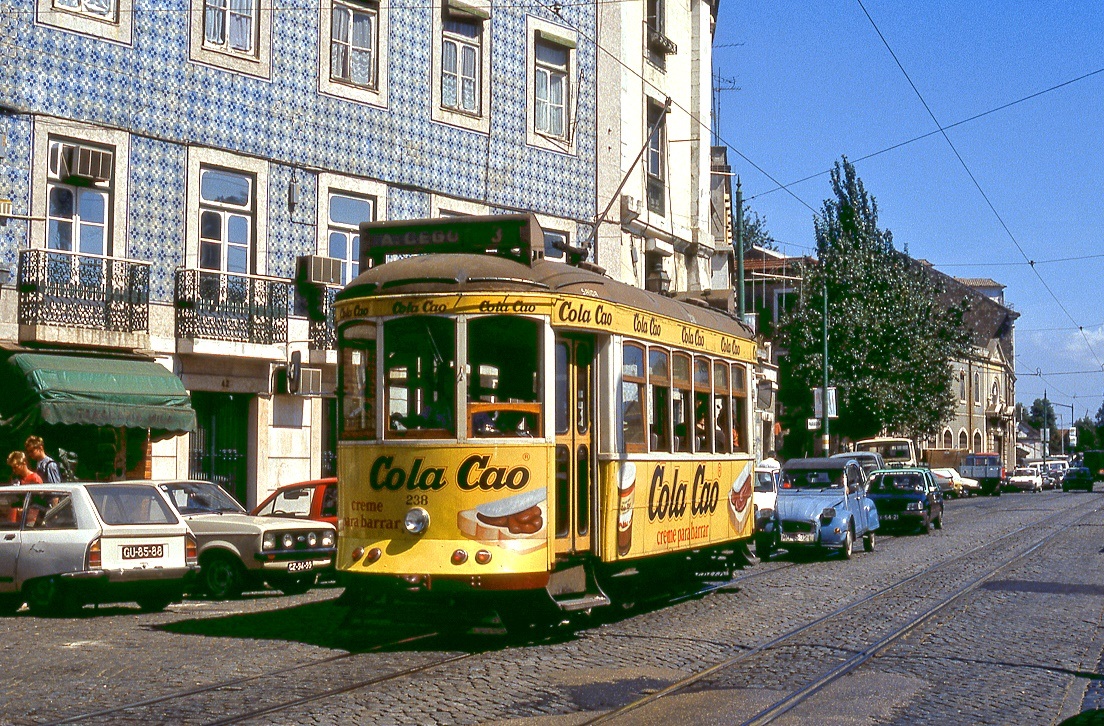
x=482, y=557
x=459, y=557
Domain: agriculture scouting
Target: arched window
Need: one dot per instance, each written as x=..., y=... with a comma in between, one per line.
x=977, y=388
x=977, y=441
x=962, y=385
x=963, y=439
x=948, y=439
x=995, y=398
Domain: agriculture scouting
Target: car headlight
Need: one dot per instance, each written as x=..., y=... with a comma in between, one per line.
x=828, y=514
x=269, y=541
x=416, y=520
x=312, y=539
x=327, y=539
x=288, y=540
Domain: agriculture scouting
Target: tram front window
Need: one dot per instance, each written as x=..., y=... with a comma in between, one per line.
x=420, y=377
x=358, y=384
x=504, y=381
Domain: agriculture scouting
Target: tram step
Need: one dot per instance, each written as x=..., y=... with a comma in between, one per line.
x=583, y=603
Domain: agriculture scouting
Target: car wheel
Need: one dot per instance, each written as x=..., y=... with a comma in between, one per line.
x=155, y=603
x=939, y=521
x=222, y=577
x=294, y=585
x=47, y=596
x=868, y=542
x=10, y=604
x=926, y=524
x=848, y=545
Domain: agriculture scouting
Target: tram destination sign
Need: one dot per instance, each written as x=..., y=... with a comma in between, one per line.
x=513, y=236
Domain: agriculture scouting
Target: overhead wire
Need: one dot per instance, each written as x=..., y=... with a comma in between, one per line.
x=977, y=185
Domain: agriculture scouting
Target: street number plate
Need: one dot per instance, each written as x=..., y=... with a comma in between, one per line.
x=143, y=552
x=300, y=566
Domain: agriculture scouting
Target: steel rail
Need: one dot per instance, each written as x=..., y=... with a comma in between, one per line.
x=794, y=632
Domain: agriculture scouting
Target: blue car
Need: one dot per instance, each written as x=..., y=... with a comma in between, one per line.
x=907, y=499
x=822, y=505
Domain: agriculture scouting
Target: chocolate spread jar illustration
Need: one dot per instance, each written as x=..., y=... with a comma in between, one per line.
x=626, y=487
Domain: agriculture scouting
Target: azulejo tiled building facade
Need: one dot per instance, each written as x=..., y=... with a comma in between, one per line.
x=169, y=164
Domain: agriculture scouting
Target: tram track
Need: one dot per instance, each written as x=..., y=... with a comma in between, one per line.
x=855, y=659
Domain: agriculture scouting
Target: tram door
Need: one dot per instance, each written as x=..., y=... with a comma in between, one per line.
x=573, y=495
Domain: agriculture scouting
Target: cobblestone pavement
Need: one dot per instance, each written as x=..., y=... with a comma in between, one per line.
x=1022, y=648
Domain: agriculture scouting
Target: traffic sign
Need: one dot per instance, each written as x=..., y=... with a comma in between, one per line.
x=813, y=423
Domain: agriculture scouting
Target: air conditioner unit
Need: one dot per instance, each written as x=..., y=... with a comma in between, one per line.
x=85, y=163
x=310, y=382
x=319, y=270
x=631, y=208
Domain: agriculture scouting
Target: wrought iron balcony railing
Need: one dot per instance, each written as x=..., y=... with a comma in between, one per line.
x=323, y=334
x=84, y=291
x=238, y=308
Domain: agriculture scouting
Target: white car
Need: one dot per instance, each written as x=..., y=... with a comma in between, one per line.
x=764, y=497
x=1026, y=480
x=65, y=545
x=964, y=485
x=237, y=549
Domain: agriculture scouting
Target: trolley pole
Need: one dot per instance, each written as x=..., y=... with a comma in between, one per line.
x=741, y=308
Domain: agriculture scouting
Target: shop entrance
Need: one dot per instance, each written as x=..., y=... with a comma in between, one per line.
x=218, y=450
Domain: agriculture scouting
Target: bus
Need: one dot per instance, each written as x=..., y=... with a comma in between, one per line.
x=531, y=435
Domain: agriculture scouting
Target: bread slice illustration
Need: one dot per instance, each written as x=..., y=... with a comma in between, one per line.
x=516, y=522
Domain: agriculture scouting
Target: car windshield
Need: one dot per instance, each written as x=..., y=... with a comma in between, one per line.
x=764, y=481
x=888, y=483
x=812, y=478
x=191, y=497
x=1023, y=472
x=120, y=504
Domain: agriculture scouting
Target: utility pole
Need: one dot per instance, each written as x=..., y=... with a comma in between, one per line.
x=824, y=394
x=739, y=244
x=1046, y=430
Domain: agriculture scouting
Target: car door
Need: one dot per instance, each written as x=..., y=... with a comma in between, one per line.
x=856, y=496
x=11, y=517
x=51, y=543
x=935, y=496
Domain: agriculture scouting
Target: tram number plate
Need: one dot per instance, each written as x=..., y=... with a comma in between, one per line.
x=143, y=552
x=300, y=566
x=797, y=537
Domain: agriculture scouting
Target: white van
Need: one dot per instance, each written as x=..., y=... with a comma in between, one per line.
x=895, y=451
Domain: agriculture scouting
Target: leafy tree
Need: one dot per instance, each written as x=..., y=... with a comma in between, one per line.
x=755, y=231
x=890, y=340
x=1100, y=417
x=1087, y=439
x=1036, y=417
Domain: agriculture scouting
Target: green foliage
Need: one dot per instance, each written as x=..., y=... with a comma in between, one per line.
x=1036, y=418
x=755, y=231
x=1087, y=438
x=891, y=341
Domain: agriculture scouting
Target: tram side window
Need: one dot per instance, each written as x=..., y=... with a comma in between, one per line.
x=659, y=398
x=682, y=401
x=358, y=382
x=723, y=432
x=420, y=377
x=739, y=408
x=703, y=406
x=632, y=398
x=504, y=382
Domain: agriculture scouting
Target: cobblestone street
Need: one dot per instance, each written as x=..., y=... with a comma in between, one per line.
x=1021, y=646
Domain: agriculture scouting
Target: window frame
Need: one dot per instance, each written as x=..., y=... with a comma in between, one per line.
x=226, y=212
x=374, y=95
x=540, y=31
x=329, y=184
x=255, y=62
x=105, y=190
x=477, y=12
x=118, y=27
x=354, y=9
x=200, y=158
x=641, y=382
x=655, y=159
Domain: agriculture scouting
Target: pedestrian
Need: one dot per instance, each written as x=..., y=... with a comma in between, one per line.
x=21, y=473
x=46, y=467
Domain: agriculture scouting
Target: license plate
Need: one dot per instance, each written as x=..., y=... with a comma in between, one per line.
x=143, y=552
x=889, y=516
x=300, y=566
x=797, y=537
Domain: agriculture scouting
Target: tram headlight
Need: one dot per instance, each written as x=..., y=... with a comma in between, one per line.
x=416, y=521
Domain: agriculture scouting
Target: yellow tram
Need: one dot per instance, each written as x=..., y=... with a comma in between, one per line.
x=528, y=430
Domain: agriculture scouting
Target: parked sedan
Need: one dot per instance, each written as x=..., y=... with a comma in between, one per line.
x=1026, y=480
x=964, y=485
x=822, y=504
x=65, y=545
x=315, y=500
x=907, y=499
x=1078, y=477
x=237, y=549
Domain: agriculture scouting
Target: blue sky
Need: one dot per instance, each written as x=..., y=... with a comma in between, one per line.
x=815, y=82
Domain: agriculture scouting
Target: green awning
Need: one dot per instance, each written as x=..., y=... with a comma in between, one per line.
x=76, y=390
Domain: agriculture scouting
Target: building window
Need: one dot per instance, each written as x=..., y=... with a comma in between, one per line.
x=103, y=9
x=550, y=92
x=354, y=32
x=79, y=197
x=977, y=388
x=948, y=439
x=963, y=440
x=227, y=210
x=656, y=159
x=343, y=239
x=230, y=25
x=977, y=441
x=461, y=58
x=962, y=386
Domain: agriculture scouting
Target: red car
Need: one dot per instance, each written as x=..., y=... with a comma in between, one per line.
x=304, y=500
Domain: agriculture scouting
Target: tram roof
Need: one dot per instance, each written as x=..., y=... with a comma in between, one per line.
x=474, y=273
